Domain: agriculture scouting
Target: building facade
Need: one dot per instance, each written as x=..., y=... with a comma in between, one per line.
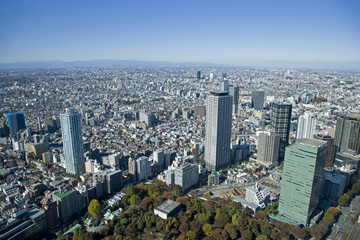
x=301, y=182
x=218, y=130
x=257, y=100
x=72, y=141
x=16, y=121
x=68, y=204
x=330, y=156
x=268, y=148
x=234, y=92
x=143, y=168
x=186, y=176
x=306, y=126
x=347, y=133
x=280, y=121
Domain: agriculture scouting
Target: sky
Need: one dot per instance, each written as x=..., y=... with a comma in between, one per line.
x=224, y=31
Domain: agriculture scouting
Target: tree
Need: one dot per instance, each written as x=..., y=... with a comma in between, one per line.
x=191, y=235
x=94, y=208
x=343, y=200
x=319, y=231
x=355, y=188
x=59, y=234
x=219, y=234
x=232, y=233
x=207, y=228
x=299, y=233
x=88, y=236
x=261, y=237
x=261, y=215
x=247, y=234
x=248, y=211
x=78, y=234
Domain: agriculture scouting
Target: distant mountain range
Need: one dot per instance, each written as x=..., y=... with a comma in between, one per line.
x=122, y=63
x=98, y=63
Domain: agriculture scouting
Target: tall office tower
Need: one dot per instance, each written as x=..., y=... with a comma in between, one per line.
x=198, y=75
x=257, y=100
x=268, y=148
x=72, y=141
x=280, y=121
x=302, y=180
x=234, y=92
x=330, y=156
x=224, y=86
x=306, y=126
x=347, y=133
x=16, y=121
x=218, y=130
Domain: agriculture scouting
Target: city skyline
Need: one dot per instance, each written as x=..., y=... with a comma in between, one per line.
x=306, y=34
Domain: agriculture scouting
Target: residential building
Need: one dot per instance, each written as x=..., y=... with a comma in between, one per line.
x=68, y=204
x=333, y=185
x=234, y=92
x=218, y=130
x=306, y=126
x=330, y=156
x=186, y=176
x=268, y=148
x=257, y=100
x=347, y=133
x=143, y=168
x=72, y=141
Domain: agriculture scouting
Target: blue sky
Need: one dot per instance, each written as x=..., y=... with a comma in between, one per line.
x=232, y=32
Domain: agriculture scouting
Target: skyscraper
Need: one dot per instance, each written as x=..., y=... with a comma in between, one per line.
x=16, y=121
x=330, y=156
x=72, y=141
x=302, y=180
x=280, y=121
x=306, y=126
x=218, y=130
x=234, y=92
x=268, y=148
x=257, y=100
x=347, y=133
x=198, y=75
x=224, y=86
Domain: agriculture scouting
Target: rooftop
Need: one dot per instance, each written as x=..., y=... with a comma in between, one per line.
x=63, y=194
x=168, y=206
x=219, y=93
x=311, y=142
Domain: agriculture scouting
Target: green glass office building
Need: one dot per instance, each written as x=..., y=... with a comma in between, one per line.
x=302, y=178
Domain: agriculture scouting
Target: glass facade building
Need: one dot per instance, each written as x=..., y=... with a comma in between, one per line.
x=302, y=180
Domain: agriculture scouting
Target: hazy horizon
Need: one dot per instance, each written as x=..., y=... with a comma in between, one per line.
x=318, y=34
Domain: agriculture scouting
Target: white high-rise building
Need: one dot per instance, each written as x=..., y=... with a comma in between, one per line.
x=143, y=168
x=218, y=130
x=186, y=176
x=224, y=86
x=259, y=195
x=72, y=141
x=306, y=126
x=268, y=148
